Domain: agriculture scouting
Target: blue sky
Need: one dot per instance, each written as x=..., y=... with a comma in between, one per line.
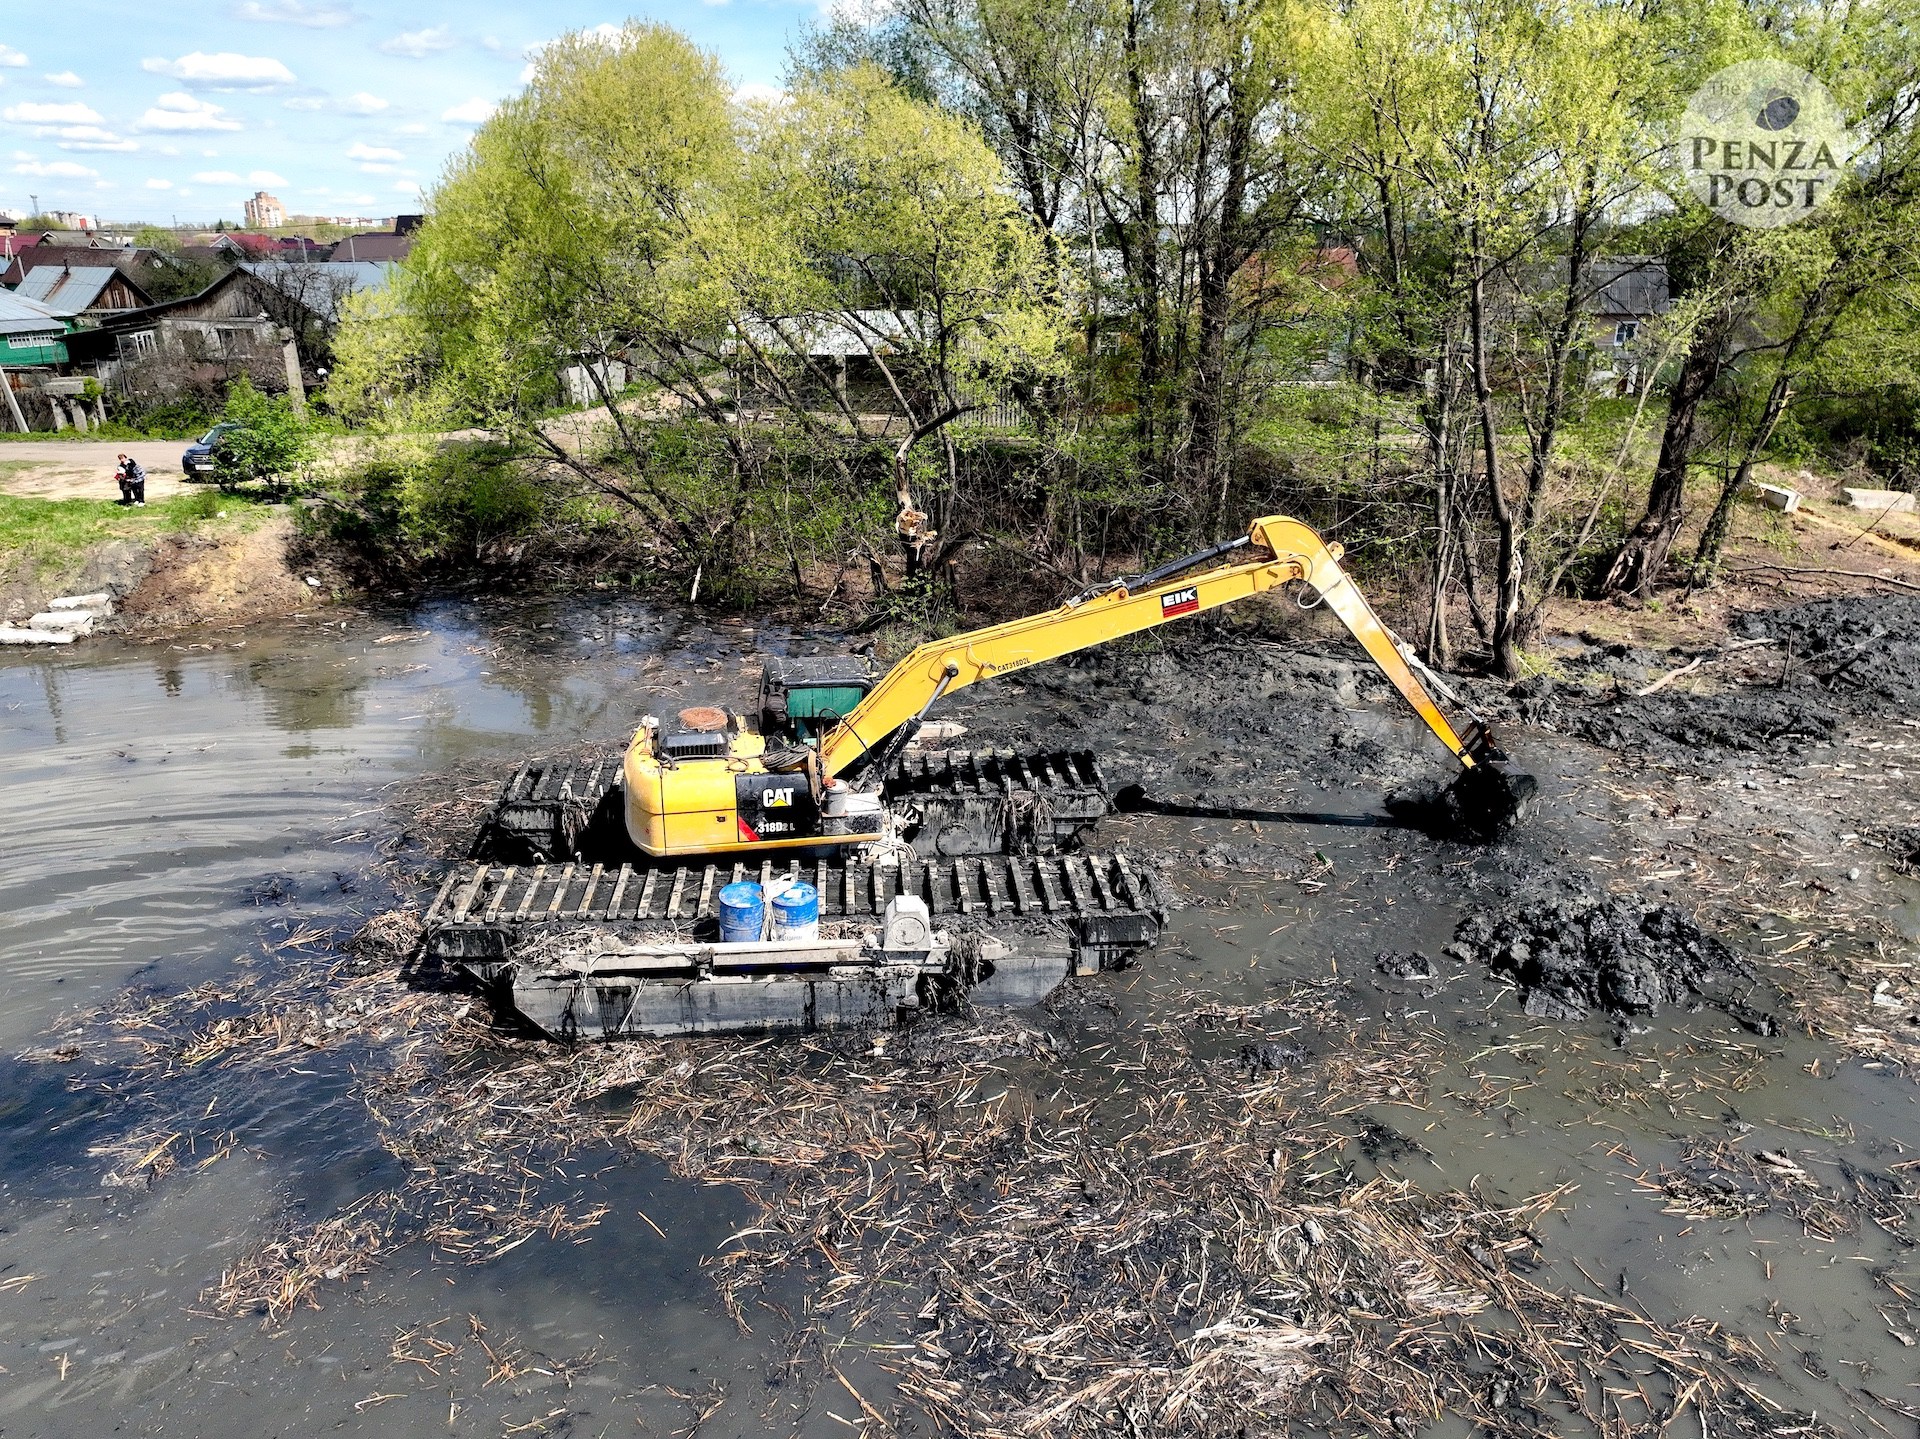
x=137, y=112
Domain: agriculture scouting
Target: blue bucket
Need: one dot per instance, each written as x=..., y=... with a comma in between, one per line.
x=743, y=913
x=796, y=912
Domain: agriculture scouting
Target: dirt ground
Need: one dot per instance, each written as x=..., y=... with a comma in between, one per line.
x=83, y=469
x=218, y=579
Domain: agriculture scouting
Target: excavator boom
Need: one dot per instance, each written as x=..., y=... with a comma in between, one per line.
x=711, y=794
x=1283, y=550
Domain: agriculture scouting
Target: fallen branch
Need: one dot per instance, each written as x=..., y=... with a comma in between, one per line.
x=1672, y=675
x=1851, y=574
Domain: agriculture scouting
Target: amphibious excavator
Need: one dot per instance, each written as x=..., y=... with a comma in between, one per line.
x=591, y=908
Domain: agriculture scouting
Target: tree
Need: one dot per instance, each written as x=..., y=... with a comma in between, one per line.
x=1156, y=135
x=268, y=442
x=1771, y=302
x=624, y=213
x=1487, y=149
x=901, y=239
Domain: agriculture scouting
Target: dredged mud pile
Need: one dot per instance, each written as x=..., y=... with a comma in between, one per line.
x=1800, y=673
x=1571, y=956
x=1215, y=718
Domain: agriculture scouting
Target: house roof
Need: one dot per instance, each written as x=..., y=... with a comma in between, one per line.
x=127, y=261
x=1632, y=285
x=376, y=245
x=838, y=334
x=22, y=316
x=321, y=288
x=67, y=289
x=120, y=320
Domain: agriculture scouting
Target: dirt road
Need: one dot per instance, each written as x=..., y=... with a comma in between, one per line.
x=83, y=469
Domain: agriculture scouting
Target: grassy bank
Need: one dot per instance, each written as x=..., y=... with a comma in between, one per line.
x=49, y=546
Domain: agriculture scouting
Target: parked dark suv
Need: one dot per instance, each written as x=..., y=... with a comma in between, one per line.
x=196, y=463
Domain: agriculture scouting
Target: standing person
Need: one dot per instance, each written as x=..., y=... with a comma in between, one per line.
x=120, y=474
x=136, y=482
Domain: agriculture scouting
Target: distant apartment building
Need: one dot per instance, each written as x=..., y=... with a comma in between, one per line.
x=264, y=212
x=72, y=220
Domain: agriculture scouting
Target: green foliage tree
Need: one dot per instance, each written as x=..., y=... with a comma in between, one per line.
x=1772, y=303
x=623, y=212
x=268, y=443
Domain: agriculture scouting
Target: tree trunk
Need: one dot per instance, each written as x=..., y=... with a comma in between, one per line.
x=1643, y=554
x=1218, y=262
x=1144, y=256
x=1506, y=571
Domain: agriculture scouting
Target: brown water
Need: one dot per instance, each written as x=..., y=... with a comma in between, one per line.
x=166, y=809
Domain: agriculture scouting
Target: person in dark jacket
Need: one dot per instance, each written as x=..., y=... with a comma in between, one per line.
x=133, y=482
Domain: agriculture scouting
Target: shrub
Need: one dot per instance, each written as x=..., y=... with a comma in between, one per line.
x=271, y=441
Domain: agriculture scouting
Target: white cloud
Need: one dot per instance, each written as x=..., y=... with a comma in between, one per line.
x=33, y=112
x=363, y=151
x=406, y=187
x=159, y=184
x=293, y=12
x=754, y=91
x=223, y=71
x=360, y=103
x=265, y=177
x=181, y=111
x=412, y=127
x=11, y=57
x=55, y=170
x=469, y=112
x=65, y=79
x=91, y=137
x=418, y=44
x=216, y=177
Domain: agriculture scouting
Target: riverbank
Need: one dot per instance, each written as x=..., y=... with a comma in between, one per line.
x=192, y=559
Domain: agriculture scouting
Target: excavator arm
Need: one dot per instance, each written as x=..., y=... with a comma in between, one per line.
x=1280, y=551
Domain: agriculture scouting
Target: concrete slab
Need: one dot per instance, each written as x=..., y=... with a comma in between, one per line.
x=1893, y=502
x=1774, y=497
x=15, y=635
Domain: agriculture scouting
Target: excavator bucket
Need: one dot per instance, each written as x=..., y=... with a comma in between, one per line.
x=1483, y=804
x=1491, y=798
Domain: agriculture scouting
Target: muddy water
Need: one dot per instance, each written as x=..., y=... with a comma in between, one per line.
x=170, y=812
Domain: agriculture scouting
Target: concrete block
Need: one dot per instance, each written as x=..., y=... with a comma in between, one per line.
x=1897, y=502
x=101, y=601
x=79, y=622
x=1774, y=497
x=15, y=635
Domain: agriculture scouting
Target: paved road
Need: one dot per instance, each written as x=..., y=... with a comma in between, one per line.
x=83, y=469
